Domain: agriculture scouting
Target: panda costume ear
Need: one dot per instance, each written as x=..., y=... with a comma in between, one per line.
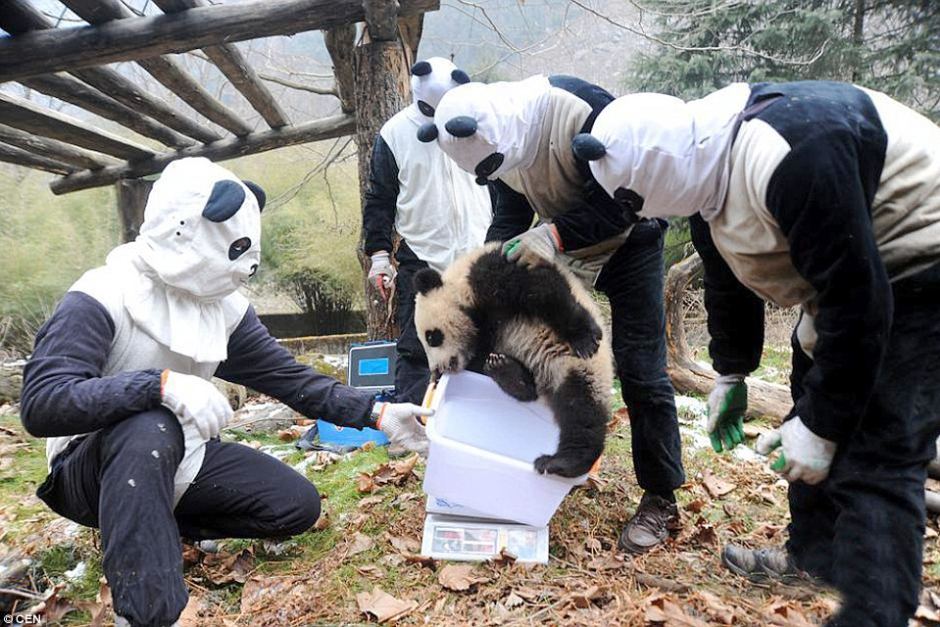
x=224, y=201
x=461, y=126
x=427, y=133
x=260, y=196
x=460, y=77
x=428, y=279
x=421, y=68
x=586, y=147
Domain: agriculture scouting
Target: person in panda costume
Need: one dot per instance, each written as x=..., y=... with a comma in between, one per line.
x=827, y=196
x=433, y=205
x=516, y=137
x=119, y=384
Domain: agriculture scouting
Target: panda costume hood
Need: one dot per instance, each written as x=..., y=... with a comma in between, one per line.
x=664, y=157
x=200, y=241
x=491, y=129
x=430, y=80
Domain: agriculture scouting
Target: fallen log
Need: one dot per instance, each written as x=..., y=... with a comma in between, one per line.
x=688, y=375
x=933, y=501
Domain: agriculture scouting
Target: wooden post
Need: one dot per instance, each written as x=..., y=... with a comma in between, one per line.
x=381, y=91
x=131, y=200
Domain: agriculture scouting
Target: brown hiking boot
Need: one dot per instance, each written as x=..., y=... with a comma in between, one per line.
x=654, y=519
x=772, y=563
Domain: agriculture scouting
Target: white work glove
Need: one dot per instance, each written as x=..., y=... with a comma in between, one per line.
x=382, y=273
x=805, y=456
x=195, y=401
x=399, y=421
x=726, y=406
x=541, y=242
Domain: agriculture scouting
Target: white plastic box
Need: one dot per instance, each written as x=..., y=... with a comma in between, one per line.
x=483, y=443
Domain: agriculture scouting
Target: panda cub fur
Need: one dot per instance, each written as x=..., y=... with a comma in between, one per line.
x=536, y=331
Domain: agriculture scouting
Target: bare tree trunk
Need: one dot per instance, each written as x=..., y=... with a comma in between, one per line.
x=131, y=200
x=372, y=79
x=763, y=398
x=858, y=32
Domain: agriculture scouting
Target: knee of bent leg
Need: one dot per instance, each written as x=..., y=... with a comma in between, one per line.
x=152, y=434
x=299, y=509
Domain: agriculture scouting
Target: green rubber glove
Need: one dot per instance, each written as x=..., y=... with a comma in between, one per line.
x=727, y=404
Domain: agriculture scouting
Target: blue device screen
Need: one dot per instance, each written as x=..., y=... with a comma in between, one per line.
x=373, y=367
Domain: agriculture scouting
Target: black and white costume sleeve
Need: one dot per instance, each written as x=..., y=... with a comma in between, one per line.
x=735, y=313
x=597, y=216
x=378, y=213
x=256, y=360
x=821, y=195
x=512, y=213
x=64, y=392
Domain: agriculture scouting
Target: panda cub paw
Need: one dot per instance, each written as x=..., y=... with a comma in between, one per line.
x=587, y=340
x=563, y=465
x=511, y=376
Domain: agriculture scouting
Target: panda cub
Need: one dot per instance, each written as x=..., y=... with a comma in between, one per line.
x=532, y=328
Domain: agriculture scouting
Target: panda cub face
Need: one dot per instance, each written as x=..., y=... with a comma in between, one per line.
x=444, y=327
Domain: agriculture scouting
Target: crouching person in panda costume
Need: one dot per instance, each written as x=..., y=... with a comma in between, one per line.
x=119, y=383
x=432, y=204
x=516, y=137
x=827, y=196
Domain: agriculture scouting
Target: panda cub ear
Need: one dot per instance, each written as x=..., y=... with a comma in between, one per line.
x=460, y=77
x=428, y=279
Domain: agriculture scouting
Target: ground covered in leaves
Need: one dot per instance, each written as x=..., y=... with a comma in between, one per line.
x=361, y=563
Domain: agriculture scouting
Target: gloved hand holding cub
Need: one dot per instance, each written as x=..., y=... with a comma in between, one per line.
x=540, y=243
x=399, y=421
x=195, y=401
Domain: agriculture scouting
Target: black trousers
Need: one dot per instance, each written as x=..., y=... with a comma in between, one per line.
x=862, y=528
x=633, y=281
x=120, y=479
x=411, y=371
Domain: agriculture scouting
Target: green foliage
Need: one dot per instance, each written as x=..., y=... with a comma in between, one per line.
x=892, y=46
x=48, y=242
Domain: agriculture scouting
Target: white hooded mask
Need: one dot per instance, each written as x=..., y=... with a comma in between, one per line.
x=491, y=129
x=430, y=80
x=200, y=241
x=673, y=155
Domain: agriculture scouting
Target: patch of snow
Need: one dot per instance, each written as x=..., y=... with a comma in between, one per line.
x=337, y=361
x=76, y=573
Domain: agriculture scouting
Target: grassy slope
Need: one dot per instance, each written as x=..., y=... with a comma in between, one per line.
x=322, y=579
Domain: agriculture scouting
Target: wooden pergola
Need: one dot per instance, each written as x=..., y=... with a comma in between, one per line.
x=71, y=64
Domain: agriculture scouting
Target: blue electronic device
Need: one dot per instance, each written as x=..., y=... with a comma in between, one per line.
x=371, y=368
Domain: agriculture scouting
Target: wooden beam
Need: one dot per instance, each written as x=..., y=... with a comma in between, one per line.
x=18, y=17
x=236, y=69
x=43, y=52
x=27, y=116
x=165, y=69
x=73, y=91
x=52, y=149
x=26, y=159
x=327, y=128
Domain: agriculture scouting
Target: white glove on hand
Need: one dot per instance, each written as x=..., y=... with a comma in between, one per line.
x=541, y=242
x=399, y=421
x=806, y=457
x=727, y=404
x=195, y=401
x=382, y=273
